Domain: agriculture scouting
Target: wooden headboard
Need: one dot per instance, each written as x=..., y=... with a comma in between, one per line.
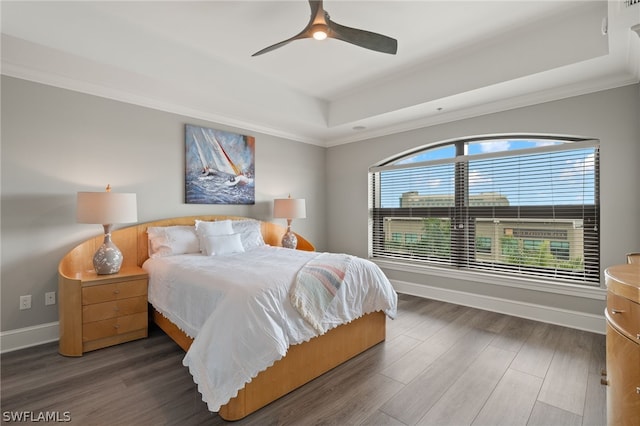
x=133, y=243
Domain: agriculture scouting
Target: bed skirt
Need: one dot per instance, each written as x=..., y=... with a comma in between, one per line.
x=303, y=362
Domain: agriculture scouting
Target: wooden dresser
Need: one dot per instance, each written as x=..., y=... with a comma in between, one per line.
x=623, y=344
x=102, y=310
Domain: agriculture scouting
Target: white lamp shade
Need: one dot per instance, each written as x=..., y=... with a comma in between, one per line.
x=289, y=208
x=106, y=208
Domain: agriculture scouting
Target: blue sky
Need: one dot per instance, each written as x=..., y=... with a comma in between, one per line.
x=562, y=177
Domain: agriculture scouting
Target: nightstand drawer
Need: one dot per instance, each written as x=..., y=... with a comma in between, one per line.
x=117, y=308
x=108, y=292
x=625, y=314
x=114, y=326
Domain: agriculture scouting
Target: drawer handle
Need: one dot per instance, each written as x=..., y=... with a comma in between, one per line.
x=638, y=390
x=638, y=336
x=116, y=326
x=116, y=291
x=617, y=311
x=116, y=309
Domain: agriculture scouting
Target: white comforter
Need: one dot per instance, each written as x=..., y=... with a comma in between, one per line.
x=237, y=308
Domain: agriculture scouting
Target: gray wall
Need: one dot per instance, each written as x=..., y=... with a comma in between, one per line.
x=612, y=116
x=56, y=142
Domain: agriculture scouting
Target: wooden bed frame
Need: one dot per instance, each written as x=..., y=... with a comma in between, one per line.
x=303, y=362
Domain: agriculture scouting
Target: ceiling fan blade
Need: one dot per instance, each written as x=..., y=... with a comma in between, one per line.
x=362, y=38
x=303, y=34
x=317, y=12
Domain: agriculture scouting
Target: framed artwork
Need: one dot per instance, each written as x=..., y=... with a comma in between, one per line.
x=220, y=167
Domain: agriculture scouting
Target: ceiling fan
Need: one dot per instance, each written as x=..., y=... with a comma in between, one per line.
x=321, y=26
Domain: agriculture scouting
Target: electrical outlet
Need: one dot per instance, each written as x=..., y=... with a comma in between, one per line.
x=50, y=298
x=25, y=302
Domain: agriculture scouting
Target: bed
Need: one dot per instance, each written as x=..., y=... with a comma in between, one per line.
x=302, y=352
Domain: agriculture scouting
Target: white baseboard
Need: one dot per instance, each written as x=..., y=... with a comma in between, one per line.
x=21, y=338
x=573, y=319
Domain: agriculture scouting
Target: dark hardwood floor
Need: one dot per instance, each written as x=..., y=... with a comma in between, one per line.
x=441, y=364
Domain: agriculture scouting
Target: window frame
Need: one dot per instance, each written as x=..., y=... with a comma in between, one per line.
x=464, y=223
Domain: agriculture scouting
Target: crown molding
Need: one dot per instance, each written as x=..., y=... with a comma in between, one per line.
x=89, y=88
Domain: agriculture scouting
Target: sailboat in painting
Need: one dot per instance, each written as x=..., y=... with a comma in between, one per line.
x=221, y=172
x=221, y=163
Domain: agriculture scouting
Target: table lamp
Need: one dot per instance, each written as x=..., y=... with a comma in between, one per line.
x=106, y=208
x=289, y=208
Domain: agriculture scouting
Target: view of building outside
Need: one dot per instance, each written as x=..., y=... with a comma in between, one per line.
x=503, y=240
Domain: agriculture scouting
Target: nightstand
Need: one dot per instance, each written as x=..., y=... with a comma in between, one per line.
x=97, y=311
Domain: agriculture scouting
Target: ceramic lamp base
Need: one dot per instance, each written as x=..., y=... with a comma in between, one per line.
x=289, y=240
x=108, y=259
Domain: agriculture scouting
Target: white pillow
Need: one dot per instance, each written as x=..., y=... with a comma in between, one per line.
x=219, y=245
x=172, y=240
x=250, y=233
x=205, y=229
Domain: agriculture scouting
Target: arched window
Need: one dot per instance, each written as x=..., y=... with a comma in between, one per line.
x=518, y=204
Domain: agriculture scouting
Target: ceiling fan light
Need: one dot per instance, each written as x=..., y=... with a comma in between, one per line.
x=319, y=32
x=319, y=35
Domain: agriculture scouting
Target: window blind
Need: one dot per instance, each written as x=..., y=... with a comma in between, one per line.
x=522, y=210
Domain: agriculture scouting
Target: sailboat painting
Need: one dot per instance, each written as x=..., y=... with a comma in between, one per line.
x=220, y=167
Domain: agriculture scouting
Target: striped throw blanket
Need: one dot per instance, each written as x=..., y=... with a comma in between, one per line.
x=316, y=284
